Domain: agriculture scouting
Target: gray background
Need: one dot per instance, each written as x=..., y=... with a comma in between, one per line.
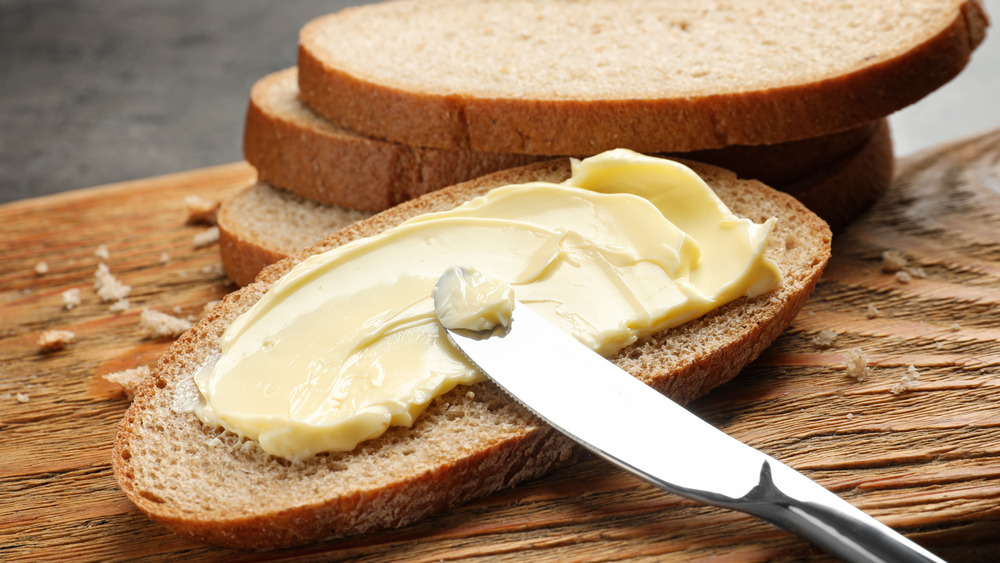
x=101, y=91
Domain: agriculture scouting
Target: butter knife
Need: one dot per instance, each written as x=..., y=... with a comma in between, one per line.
x=595, y=403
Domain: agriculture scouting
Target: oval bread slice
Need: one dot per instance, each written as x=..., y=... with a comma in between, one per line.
x=294, y=148
x=576, y=78
x=214, y=486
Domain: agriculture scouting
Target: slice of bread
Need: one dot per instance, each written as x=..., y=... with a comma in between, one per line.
x=211, y=485
x=559, y=77
x=261, y=225
x=294, y=148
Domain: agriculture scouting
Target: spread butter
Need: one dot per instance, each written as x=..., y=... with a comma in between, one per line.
x=347, y=343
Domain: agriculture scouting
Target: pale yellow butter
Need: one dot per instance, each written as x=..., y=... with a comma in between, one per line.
x=347, y=343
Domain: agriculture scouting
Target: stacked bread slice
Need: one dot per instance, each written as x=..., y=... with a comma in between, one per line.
x=394, y=100
x=540, y=77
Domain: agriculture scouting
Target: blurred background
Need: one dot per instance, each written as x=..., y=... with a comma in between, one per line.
x=100, y=91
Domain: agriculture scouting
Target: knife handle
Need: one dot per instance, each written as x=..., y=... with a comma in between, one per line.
x=846, y=537
x=791, y=501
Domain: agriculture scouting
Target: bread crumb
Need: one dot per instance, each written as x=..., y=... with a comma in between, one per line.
x=213, y=269
x=206, y=237
x=71, y=298
x=164, y=258
x=42, y=268
x=893, y=261
x=857, y=364
x=155, y=324
x=102, y=252
x=201, y=210
x=825, y=338
x=872, y=311
x=128, y=379
x=22, y=398
x=107, y=286
x=910, y=380
x=120, y=306
x=52, y=340
x=470, y=395
x=850, y=416
x=955, y=327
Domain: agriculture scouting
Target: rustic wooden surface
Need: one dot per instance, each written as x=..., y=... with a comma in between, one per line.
x=926, y=461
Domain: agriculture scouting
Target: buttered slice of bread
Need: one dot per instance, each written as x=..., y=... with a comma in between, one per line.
x=544, y=77
x=214, y=486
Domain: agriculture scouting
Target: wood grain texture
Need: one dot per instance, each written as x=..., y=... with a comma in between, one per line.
x=925, y=461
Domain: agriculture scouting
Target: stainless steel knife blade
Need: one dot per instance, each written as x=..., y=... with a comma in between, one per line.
x=610, y=412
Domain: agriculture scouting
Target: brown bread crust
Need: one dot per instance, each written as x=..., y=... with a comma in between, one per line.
x=842, y=192
x=786, y=163
x=215, y=487
x=879, y=85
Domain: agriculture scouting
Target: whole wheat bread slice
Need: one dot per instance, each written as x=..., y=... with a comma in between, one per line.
x=561, y=77
x=294, y=148
x=213, y=486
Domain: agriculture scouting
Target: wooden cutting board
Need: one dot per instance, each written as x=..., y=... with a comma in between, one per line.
x=925, y=461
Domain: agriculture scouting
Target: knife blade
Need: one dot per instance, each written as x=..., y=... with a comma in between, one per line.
x=604, y=408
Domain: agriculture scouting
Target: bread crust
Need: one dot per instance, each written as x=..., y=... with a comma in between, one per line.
x=840, y=193
x=243, y=256
x=215, y=487
x=771, y=113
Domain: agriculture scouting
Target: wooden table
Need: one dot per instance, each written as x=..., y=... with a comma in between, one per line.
x=925, y=461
